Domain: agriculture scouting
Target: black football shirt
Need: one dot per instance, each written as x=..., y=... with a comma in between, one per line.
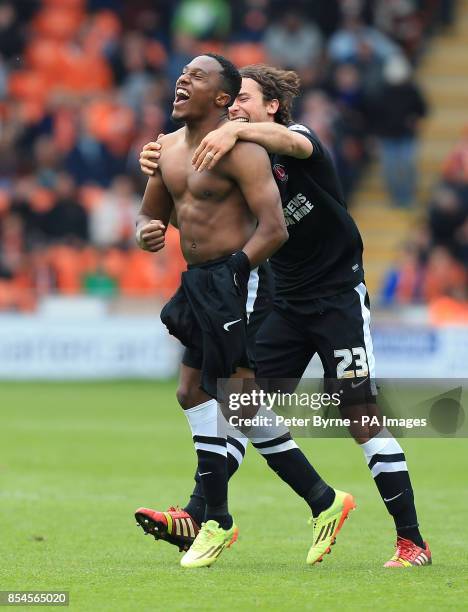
x=323, y=256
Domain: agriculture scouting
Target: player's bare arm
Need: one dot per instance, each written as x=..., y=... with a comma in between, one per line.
x=155, y=213
x=249, y=166
x=275, y=138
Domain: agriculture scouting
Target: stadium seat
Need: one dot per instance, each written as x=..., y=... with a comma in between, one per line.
x=243, y=54
x=58, y=22
x=28, y=84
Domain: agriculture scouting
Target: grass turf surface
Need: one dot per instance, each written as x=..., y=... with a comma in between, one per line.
x=77, y=459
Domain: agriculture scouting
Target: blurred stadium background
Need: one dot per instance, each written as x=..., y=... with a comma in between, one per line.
x=83, y=85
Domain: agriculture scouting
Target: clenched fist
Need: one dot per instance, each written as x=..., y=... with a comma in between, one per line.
x=150, y=237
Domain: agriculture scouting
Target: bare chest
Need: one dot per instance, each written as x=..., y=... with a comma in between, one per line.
x=184, y=182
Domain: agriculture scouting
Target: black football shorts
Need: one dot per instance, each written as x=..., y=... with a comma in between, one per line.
x=337, y=329
x=259, y=304
x=210, y=315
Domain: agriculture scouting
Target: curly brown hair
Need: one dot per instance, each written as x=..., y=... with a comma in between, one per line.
x=276, y=84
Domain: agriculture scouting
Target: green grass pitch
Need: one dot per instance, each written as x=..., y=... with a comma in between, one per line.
x=77, y=459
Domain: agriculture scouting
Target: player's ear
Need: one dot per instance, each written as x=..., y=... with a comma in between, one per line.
x=272, y=106
x=222, y=99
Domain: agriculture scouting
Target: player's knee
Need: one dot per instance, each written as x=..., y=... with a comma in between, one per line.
x=184, y=396
x=189, y=396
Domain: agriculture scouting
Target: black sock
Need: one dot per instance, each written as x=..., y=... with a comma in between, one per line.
x=397, y=494
x=320, y=497
x=212, y=469
x=411, y=533
x=293, y=467
x=387, y=463
x=196, y=506
x=220, y=514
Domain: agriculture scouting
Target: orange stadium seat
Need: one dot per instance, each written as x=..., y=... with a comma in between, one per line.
x=114, y=262
x=140, y=276
x=45, y=54
x=89, y=259
x=86, y=73
x=28, y=84
x=68, y=269
x=58, y=22
x=446, y=310
x=155, y=53
x=77, y=5
x=5, y=202
x=107, y=121
x=209, y=46
x=243, y=54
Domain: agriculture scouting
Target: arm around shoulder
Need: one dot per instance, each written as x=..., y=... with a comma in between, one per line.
x=276, y=138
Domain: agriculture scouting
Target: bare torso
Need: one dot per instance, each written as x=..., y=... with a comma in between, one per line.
x=212, y=214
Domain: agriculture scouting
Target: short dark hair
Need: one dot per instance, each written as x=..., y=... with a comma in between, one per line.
x=232, y=79
x=276, y=84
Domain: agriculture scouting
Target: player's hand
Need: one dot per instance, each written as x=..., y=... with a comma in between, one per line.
x=149, y=157
x=215, y=144
x=150, y=237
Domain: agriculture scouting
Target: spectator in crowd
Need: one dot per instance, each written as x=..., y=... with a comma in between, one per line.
x=343, y=45
x=446, y=214
x=11, y=39
x=182, y=52
x=443, y=275
x=94, y=82
x=138, y=76
x=447, y=9
x=370, y=67
x=251, y=27
x=395, y=113
x=68, y=220
x=113, y=219
x=47, y=161
x=460, y=247
x=3, y=79
x=403, y=283
x=11, y=245
x=401, y=21
x=455, y=168
x=98, y=282
x=293, y=42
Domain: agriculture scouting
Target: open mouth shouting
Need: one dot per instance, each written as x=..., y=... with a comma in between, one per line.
x=181, y=96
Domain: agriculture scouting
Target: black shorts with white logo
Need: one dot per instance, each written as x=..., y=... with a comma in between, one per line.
x=337, y=329
x=260, y=292
x=210, y=314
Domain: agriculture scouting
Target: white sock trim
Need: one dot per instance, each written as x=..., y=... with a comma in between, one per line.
x=279, y=448
x=203, y=419
x=234, y=452
x=373, y=446
x=211, y=448
x=397, y=466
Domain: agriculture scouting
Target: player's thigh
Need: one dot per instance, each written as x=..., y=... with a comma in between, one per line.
x=282, y=353
x=189, y=393
x=342, y=336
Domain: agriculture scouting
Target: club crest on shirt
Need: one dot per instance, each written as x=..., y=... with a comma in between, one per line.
x=297, y=127
x=280, y=173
